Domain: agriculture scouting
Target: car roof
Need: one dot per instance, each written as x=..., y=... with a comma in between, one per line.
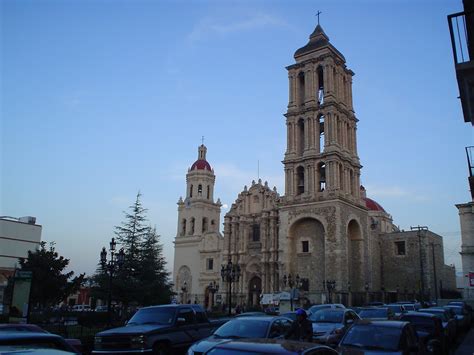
x=382, y=323
x=27, y=335
x=420, y=314
x=270, y=346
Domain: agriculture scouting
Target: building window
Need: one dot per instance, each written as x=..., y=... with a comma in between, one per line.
x=210, y=264
x=204, y=224
x=400, y=248
x=305, y=246
x=300, y=180
x=256, y=233
x=208, y=192
x=191, y=191
x=199, y=190
x=183, y=227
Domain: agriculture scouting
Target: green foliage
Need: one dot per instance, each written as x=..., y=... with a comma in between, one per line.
x=50, y=284
x=143, y=279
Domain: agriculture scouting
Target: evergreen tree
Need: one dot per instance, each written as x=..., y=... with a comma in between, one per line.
x=50, y=284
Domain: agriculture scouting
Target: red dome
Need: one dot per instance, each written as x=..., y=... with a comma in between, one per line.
x=201, y=164
x=372, y=205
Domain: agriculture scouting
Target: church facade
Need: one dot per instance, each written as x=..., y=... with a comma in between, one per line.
x=323, y=230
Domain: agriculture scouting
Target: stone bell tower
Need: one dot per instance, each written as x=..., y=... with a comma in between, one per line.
x=198, y=240
x=323, y=221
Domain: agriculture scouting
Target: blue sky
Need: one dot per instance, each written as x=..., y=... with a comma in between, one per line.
x=100, y=99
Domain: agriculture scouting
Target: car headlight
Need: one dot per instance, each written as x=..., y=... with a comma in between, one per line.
x=139, y=339
x=98, y=340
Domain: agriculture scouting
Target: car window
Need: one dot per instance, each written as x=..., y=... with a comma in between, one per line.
x=201, y=317
x=187, y=314
x=286, y=324
x=276, y=329
x=375, y=336
x=243, y=328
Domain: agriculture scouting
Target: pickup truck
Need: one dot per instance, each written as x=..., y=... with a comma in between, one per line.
x=166, y=329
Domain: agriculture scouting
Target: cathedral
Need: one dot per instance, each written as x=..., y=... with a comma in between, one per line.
x=323, y=233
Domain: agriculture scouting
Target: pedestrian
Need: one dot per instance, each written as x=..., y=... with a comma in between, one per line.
x=301, y=329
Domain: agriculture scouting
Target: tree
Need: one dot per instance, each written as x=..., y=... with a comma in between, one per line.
x=50, y=284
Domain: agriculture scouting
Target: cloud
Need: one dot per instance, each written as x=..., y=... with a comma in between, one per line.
x=209, y=27
x=395, y=192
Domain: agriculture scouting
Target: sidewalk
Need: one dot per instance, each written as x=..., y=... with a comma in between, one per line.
x=467, y=345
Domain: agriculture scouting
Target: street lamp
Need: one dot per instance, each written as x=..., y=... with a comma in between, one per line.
x=366, y=286
x=213, y=288
x=330, y=286
x=109, y=267
x=230, y=273
x=184, y=289
x=293, y=284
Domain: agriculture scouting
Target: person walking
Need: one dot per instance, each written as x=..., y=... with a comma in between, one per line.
x=302, y=328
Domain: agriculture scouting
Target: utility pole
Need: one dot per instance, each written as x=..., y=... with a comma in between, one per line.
x=422, y=284
x=434, y=272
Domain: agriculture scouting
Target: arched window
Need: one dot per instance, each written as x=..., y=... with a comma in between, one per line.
x=191, y=191
x=204, y=224
x=322, y=176
x=192, y=225
x=208, y=192
x=320, y=93
x=199, y=190
x=301, y=135
x=321, y=134
x=300, y=180
x=183, y=226
x=301, y=87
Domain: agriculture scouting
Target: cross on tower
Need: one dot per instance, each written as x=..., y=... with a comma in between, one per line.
x=202, y=140
x=317, y=14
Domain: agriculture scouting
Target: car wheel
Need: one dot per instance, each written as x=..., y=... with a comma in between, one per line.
x=161, y=349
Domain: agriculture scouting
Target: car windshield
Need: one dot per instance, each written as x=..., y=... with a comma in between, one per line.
x=373, y=313
x=319, y=307
x=396, y=308
x=243, y=328
x=326, y=316
x=420, y=323
x=372, y=337
x=409, y=307
x=158, y=315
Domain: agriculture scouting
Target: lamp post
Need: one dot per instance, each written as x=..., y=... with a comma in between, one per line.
x=230, y=273
x=349, y=292
x=293, y=284
x=366, y=286
x=213, y=288
x=330, y=286
x=382, y=288
x=109, y=267
x=184, y=289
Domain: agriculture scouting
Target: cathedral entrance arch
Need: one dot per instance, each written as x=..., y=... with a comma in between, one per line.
x=307, y=252
x=355, y=244
x=255, y=289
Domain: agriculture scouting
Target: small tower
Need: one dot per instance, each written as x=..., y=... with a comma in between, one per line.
x=197, y=232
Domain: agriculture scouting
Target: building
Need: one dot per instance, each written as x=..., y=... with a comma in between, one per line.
x=18, y=236
x=323, y=231
x=461, y=28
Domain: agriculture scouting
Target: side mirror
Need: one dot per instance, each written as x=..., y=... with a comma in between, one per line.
x=180, y=321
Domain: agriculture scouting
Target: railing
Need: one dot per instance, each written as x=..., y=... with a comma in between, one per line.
x=460, y=29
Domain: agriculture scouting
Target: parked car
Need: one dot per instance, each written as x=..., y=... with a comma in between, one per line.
x=462, y=316
x=13, y=341
x=397, y=309
x=243, y=327
x=429, y=329
x=329, y=325
x=101, y=308
x=165, y=329
x=387, y=337
x=409, y=307
x=290, y=315
x=318, y=307
x=376, y=313
x=81, y=308
x=270, y=346
x=76, y=344
x=449, y=325
x=252, y=314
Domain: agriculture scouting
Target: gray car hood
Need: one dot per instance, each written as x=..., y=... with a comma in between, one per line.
x=208, y=343
x=133, y=329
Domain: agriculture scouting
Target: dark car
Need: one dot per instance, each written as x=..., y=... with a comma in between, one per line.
x=397, y=308
x=376, y=313
x=16, y=341
x=429, y=329
x=449, y=324
x=329, y=325
x=318, y=307
x=270, y=346
x=244, y=327
x=10, y=327
x=462, y=316
x=252, y=314
x=387, y=337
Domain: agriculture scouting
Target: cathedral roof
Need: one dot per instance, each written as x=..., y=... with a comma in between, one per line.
x=373, y=205
x=201, y=164
x=317, y=40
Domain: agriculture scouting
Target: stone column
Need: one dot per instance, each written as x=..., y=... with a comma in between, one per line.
x=291, y=93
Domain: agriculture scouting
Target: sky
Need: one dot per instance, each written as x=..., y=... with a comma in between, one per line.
x=102, y=99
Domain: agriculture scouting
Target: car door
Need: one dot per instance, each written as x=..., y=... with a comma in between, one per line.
x=187, y=331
